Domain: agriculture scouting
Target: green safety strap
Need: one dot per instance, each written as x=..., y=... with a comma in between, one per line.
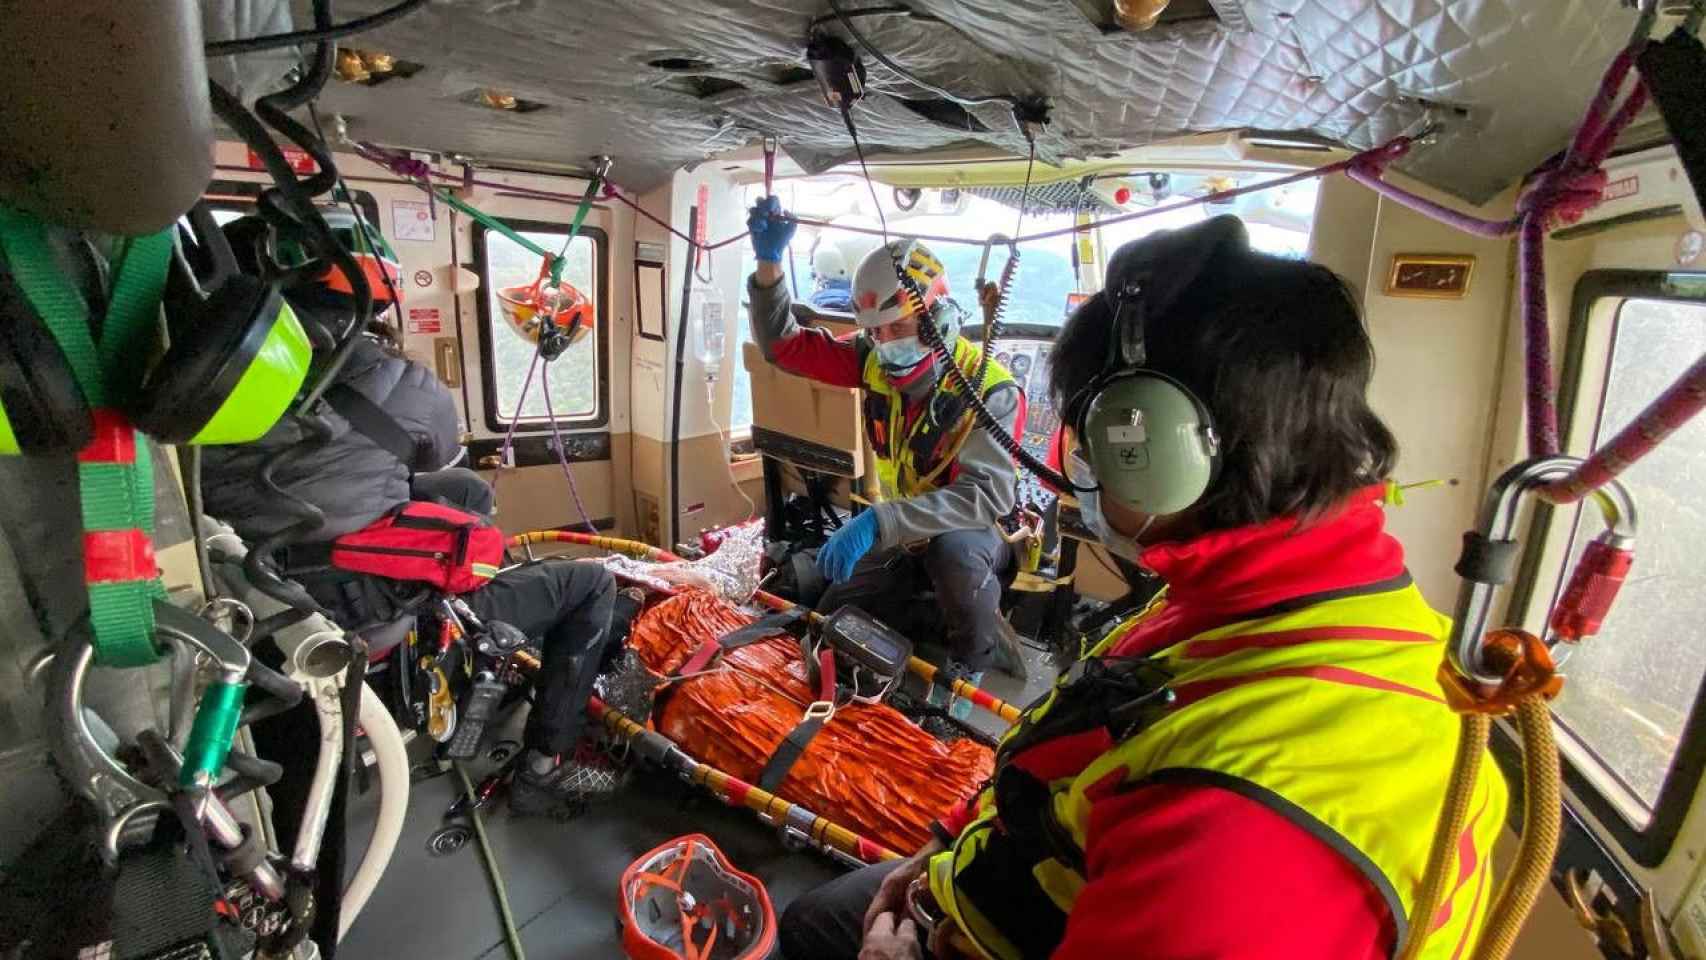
x=557, y=263
x=115, y=472
x=498, y=226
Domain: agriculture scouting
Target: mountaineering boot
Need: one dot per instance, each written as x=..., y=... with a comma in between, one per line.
x=561, y=788
x=958, y=707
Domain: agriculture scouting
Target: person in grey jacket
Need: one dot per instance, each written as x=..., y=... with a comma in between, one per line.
x=361, y=472
x=946, y=482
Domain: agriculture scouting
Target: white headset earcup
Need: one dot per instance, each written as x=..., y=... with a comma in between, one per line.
x=1150, y=442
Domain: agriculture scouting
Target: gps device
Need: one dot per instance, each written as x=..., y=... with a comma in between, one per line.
x=866, y=642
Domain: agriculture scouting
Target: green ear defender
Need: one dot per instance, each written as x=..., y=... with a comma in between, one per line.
x=1150, y=441
x=238, y=355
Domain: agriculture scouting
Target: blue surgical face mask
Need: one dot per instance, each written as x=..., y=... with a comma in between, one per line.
x=901, y=354
x=1090, y=509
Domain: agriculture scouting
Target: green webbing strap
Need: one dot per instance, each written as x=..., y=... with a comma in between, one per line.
x=592, y=186
x=498, y=226
x=115, y=473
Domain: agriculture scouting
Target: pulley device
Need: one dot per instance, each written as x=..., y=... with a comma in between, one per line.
x=550, y=313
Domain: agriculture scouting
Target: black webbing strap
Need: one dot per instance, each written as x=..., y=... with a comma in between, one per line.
x=793, y=746
x=372, y=422
x=789, y=751
x=766, y=626
x=1675, y=72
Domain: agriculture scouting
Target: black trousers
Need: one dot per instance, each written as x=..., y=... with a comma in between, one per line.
x=458, y=487
x=564, y=605
x=828, y=923
x=965, y=568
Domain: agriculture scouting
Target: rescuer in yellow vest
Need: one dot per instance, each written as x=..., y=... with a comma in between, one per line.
x=945, y=481
x=1253, y=766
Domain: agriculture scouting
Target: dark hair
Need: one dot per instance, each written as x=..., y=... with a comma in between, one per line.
x=1277, y=350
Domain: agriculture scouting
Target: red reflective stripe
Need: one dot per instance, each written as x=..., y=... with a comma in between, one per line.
x=1219, y=646
x=1468, y=858
x=983, y=698
x=1189, y=693
x=868, y=851
x=1474, y=908
x=116, y=556
x=114, y=440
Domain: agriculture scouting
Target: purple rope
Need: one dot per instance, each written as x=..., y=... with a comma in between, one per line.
x=562, y=454
x=1537, y=337
x=520, y=404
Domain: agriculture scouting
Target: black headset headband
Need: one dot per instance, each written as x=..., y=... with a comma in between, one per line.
x=1145, y=279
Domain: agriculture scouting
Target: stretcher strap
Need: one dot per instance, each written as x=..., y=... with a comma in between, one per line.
x=766, y=626
x=115, y=473
x=794, y=745
x=789, y=752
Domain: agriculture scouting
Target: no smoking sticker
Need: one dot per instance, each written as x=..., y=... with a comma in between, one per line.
x=423, y=278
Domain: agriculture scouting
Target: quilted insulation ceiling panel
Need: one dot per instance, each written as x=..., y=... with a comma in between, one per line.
x=660, y=84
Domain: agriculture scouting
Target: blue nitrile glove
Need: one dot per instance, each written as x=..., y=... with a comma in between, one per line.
x=842, y=551
x=769, y=236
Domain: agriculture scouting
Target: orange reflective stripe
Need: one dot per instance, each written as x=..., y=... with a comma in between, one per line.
x=1220, y=646
x=1189, y=693
x=1468, y=858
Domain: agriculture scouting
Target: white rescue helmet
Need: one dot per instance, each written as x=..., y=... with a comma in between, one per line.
x=878, y=298
x=828, y=263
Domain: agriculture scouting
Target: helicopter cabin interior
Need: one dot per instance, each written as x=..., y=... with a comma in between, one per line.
x=618, y=147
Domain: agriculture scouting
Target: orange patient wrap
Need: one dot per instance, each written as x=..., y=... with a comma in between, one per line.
x=869, y=768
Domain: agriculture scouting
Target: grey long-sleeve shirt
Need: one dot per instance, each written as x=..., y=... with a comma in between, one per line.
x=985, y=488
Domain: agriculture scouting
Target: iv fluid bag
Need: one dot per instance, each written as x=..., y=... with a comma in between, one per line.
x=710, y=333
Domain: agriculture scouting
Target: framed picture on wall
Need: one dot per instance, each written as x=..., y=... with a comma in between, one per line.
x=651, y=299
x=1430, y=276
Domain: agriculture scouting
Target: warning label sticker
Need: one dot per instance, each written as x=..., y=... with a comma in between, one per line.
x=425, y=320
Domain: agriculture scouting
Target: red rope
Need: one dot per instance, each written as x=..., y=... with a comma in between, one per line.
x=1560, y=191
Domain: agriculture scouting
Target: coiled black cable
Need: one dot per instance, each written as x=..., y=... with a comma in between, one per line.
x=931, y=336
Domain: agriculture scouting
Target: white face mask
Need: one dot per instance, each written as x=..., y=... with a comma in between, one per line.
x=901, y=354
x=1090, y=509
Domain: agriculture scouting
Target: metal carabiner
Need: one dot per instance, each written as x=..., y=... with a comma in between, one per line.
x=983, y=261
x=1490, y=555
x=221, y=706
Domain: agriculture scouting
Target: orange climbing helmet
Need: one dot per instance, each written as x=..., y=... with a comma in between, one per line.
x=686, y=901
x=375, y=257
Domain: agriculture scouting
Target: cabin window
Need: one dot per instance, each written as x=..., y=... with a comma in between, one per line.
x=1631, y=691
x=576, y=379
x=1278, y=220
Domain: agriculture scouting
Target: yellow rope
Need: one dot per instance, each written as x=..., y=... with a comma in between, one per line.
x=1453, y=817
x=1542, y=798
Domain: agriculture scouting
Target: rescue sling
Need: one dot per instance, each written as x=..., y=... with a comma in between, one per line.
x=1277, y=708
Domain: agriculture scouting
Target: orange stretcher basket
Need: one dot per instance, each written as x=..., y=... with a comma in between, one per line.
x=869, y=769
x=686, y=901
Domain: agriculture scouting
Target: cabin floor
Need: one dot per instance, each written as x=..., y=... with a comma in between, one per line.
x=561, y=877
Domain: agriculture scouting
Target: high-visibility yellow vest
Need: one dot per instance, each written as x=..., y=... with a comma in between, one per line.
x=917, y=458
x=1330, y=715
